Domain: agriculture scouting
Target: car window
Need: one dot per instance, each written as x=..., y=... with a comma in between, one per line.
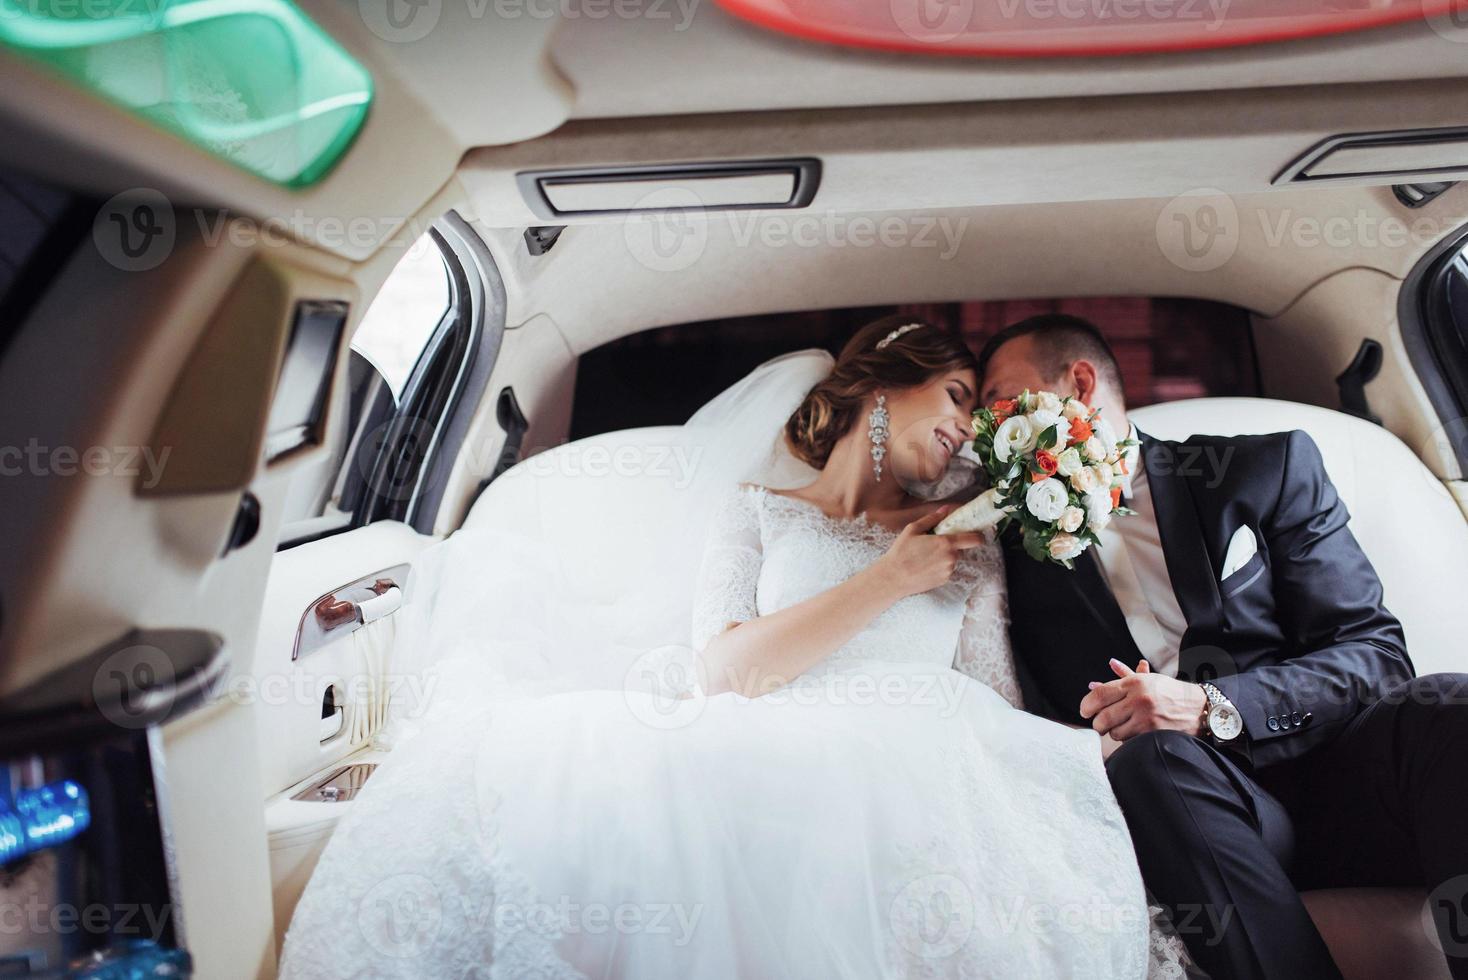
x=1168, y=349
x=386, y=347
x=403, y=315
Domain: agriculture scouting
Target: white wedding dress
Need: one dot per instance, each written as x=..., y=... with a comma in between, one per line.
x=890, y=814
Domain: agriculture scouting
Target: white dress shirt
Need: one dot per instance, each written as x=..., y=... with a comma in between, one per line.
x=1135, y=568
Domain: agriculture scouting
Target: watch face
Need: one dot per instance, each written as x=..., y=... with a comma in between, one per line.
x=1225, y=723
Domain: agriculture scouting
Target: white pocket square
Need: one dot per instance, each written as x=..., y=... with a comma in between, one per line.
x=1241, y=547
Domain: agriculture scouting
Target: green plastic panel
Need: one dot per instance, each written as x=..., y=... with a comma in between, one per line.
x=253, y=81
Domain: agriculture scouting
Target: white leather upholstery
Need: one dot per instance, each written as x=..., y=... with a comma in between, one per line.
x=614, y=509
x=1405, y=519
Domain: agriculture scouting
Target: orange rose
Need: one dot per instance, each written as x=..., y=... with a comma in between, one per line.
x=1004, y=408
x=1046, y=461
x=1115, y=497
x=1080, y=431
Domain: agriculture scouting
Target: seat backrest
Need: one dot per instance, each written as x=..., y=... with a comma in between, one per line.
x=1404, y=518
x=615, y=508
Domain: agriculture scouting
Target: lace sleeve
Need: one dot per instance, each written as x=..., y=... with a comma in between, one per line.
x=730, y=569
x=983, y=643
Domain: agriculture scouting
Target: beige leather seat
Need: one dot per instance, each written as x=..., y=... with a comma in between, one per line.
x=626, y=491
x=1394, y=502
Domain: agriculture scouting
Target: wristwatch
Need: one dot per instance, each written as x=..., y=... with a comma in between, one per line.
x=1221, y=719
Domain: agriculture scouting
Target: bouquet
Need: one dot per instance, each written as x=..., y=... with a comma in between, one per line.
x=1055, y=469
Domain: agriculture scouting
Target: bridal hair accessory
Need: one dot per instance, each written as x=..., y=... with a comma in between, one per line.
x=1056, y=469
x=877, y=429
x=896, y=333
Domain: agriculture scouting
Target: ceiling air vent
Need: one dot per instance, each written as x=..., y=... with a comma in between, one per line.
x=1382, y=158
x=747, y=184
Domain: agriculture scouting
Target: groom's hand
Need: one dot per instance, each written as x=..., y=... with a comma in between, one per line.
x=1140, y=701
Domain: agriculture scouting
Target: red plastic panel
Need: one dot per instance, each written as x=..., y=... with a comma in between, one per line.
x=1044, y=28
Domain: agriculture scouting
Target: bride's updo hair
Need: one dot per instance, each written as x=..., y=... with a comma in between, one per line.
x=908, y=360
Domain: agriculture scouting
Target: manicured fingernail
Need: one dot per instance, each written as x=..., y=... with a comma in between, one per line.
x=1115, y=662
x=1093, y=685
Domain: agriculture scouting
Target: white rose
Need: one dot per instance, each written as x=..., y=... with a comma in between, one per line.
x=1047, y=499
x=1085, y=480
x=1016, y=436
x=1104, y=474
x=1075, y=409
x=1048, y=401
x=1098, y=509
x=1072, y=518
x=1066, y=547
x=1069, y=463
x=1096, y=450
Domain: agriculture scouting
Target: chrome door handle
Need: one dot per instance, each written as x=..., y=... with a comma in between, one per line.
x=344, y=610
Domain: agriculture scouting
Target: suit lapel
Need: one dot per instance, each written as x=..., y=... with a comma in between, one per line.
x=1188, y=563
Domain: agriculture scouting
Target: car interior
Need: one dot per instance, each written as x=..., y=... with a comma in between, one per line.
x=266, y=342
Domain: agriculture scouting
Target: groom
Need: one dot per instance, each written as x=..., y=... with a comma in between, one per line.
x=1273, y=736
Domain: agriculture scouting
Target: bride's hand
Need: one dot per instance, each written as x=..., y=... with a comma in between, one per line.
x=919, y=561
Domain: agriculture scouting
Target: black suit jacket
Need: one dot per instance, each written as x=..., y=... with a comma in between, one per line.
x=1297, y=639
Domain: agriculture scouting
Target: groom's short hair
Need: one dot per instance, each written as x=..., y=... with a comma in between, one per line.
x=1060, y=340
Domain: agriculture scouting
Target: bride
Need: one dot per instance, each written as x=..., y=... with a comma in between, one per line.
x=850, y=788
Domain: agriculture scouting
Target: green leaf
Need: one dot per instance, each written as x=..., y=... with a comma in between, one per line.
x=1047, y=438
x=1037, y=546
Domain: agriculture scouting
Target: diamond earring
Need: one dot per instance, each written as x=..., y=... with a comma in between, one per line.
x=877, y=433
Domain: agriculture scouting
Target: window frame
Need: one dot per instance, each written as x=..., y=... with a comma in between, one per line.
x=396, y=467
x=1426, y=326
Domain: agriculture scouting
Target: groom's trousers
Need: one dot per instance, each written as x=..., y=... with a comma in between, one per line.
x=1226, y=849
